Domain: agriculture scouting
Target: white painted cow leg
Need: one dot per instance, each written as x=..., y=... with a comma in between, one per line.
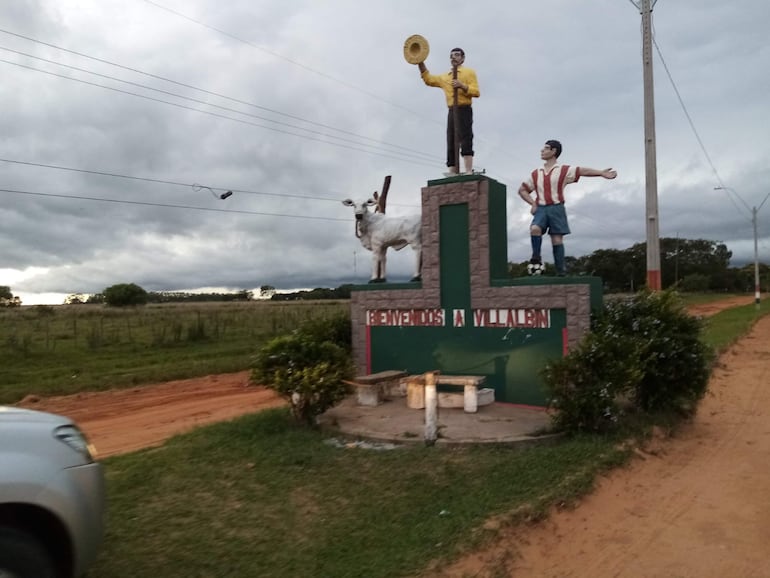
x=378, y=265
x=383, y=261
x=417, y=264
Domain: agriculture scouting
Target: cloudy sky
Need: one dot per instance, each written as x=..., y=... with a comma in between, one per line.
x=123, y=121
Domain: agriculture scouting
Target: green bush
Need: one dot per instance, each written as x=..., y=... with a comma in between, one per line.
x=306, y=372
x=645, y=351
x=125, y=294
x=336, y=329
x=587, y=385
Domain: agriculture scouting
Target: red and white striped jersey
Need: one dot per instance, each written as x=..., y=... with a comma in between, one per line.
x=549, y=187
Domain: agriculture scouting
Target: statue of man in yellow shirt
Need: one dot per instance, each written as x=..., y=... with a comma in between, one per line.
x=465, y=86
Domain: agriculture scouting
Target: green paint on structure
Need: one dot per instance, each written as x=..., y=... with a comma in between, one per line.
x=454, y=257
x=498, y=231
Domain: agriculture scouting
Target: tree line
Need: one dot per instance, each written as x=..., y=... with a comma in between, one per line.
x=690, y=265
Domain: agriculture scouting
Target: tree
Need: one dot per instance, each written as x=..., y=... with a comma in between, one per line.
x=76, y=299
x=125, y=294
x=8, y=299
x=684, y=257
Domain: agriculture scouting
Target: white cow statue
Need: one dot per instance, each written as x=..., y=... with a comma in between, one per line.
x=378, y=231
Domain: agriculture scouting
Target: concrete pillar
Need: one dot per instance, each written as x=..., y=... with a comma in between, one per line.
x=431, y=409
x=471, y=400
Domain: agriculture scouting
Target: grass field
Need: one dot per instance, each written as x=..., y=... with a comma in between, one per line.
x=67, y=349
x=258, y=497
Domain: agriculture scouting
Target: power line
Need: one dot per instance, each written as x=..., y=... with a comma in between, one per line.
x=203, y=102
x=189, y=86
x=289, y=60
x=168, y=206
x=174, y=183
x=214, y=114
x=695, y=131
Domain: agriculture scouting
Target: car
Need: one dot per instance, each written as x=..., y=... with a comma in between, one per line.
x=52, y=496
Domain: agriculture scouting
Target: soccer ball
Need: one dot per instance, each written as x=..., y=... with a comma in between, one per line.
x=535, y=268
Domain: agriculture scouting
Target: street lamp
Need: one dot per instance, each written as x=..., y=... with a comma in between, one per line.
x=754, y=211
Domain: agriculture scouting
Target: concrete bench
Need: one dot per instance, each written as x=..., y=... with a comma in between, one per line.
x=415, y=391
x=372, y=389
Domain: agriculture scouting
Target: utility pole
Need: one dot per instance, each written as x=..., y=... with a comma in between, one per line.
x=651, y=171
x=754, y=211
x=757, y=289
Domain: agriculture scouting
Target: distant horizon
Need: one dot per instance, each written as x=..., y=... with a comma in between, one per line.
x=53, y=298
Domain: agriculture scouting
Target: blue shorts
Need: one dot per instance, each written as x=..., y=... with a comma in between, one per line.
x=551, y=219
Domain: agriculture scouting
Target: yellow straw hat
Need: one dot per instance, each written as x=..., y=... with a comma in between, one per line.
x=416, y=49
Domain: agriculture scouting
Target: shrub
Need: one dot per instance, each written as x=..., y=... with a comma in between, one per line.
x=125, y=294
x=306, y=372
x=336, y=329
x=587, y=385
x=646, y=350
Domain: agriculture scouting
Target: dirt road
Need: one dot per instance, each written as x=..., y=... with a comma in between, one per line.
x=124, y=420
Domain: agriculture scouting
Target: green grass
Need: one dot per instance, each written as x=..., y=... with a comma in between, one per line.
x=726, y=327
x=259, y=497
x=67, y=349
x=702, y=298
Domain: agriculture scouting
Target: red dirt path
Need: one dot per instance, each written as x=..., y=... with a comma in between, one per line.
x=124, y=420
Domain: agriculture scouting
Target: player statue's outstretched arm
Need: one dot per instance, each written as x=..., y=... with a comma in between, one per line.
x=606, y=173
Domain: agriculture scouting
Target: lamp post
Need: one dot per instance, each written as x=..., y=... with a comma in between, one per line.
x=754, y=211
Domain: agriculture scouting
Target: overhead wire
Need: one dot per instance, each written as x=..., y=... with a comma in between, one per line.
x=289, y=60
x=188, y=86
x=702, y=146
x=214, y=114
x=175, y=183
x=171, y=206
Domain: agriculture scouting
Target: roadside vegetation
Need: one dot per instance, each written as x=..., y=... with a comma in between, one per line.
x=645, y=356
x=260, y=496
x=263, y=496
x=72, y=348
